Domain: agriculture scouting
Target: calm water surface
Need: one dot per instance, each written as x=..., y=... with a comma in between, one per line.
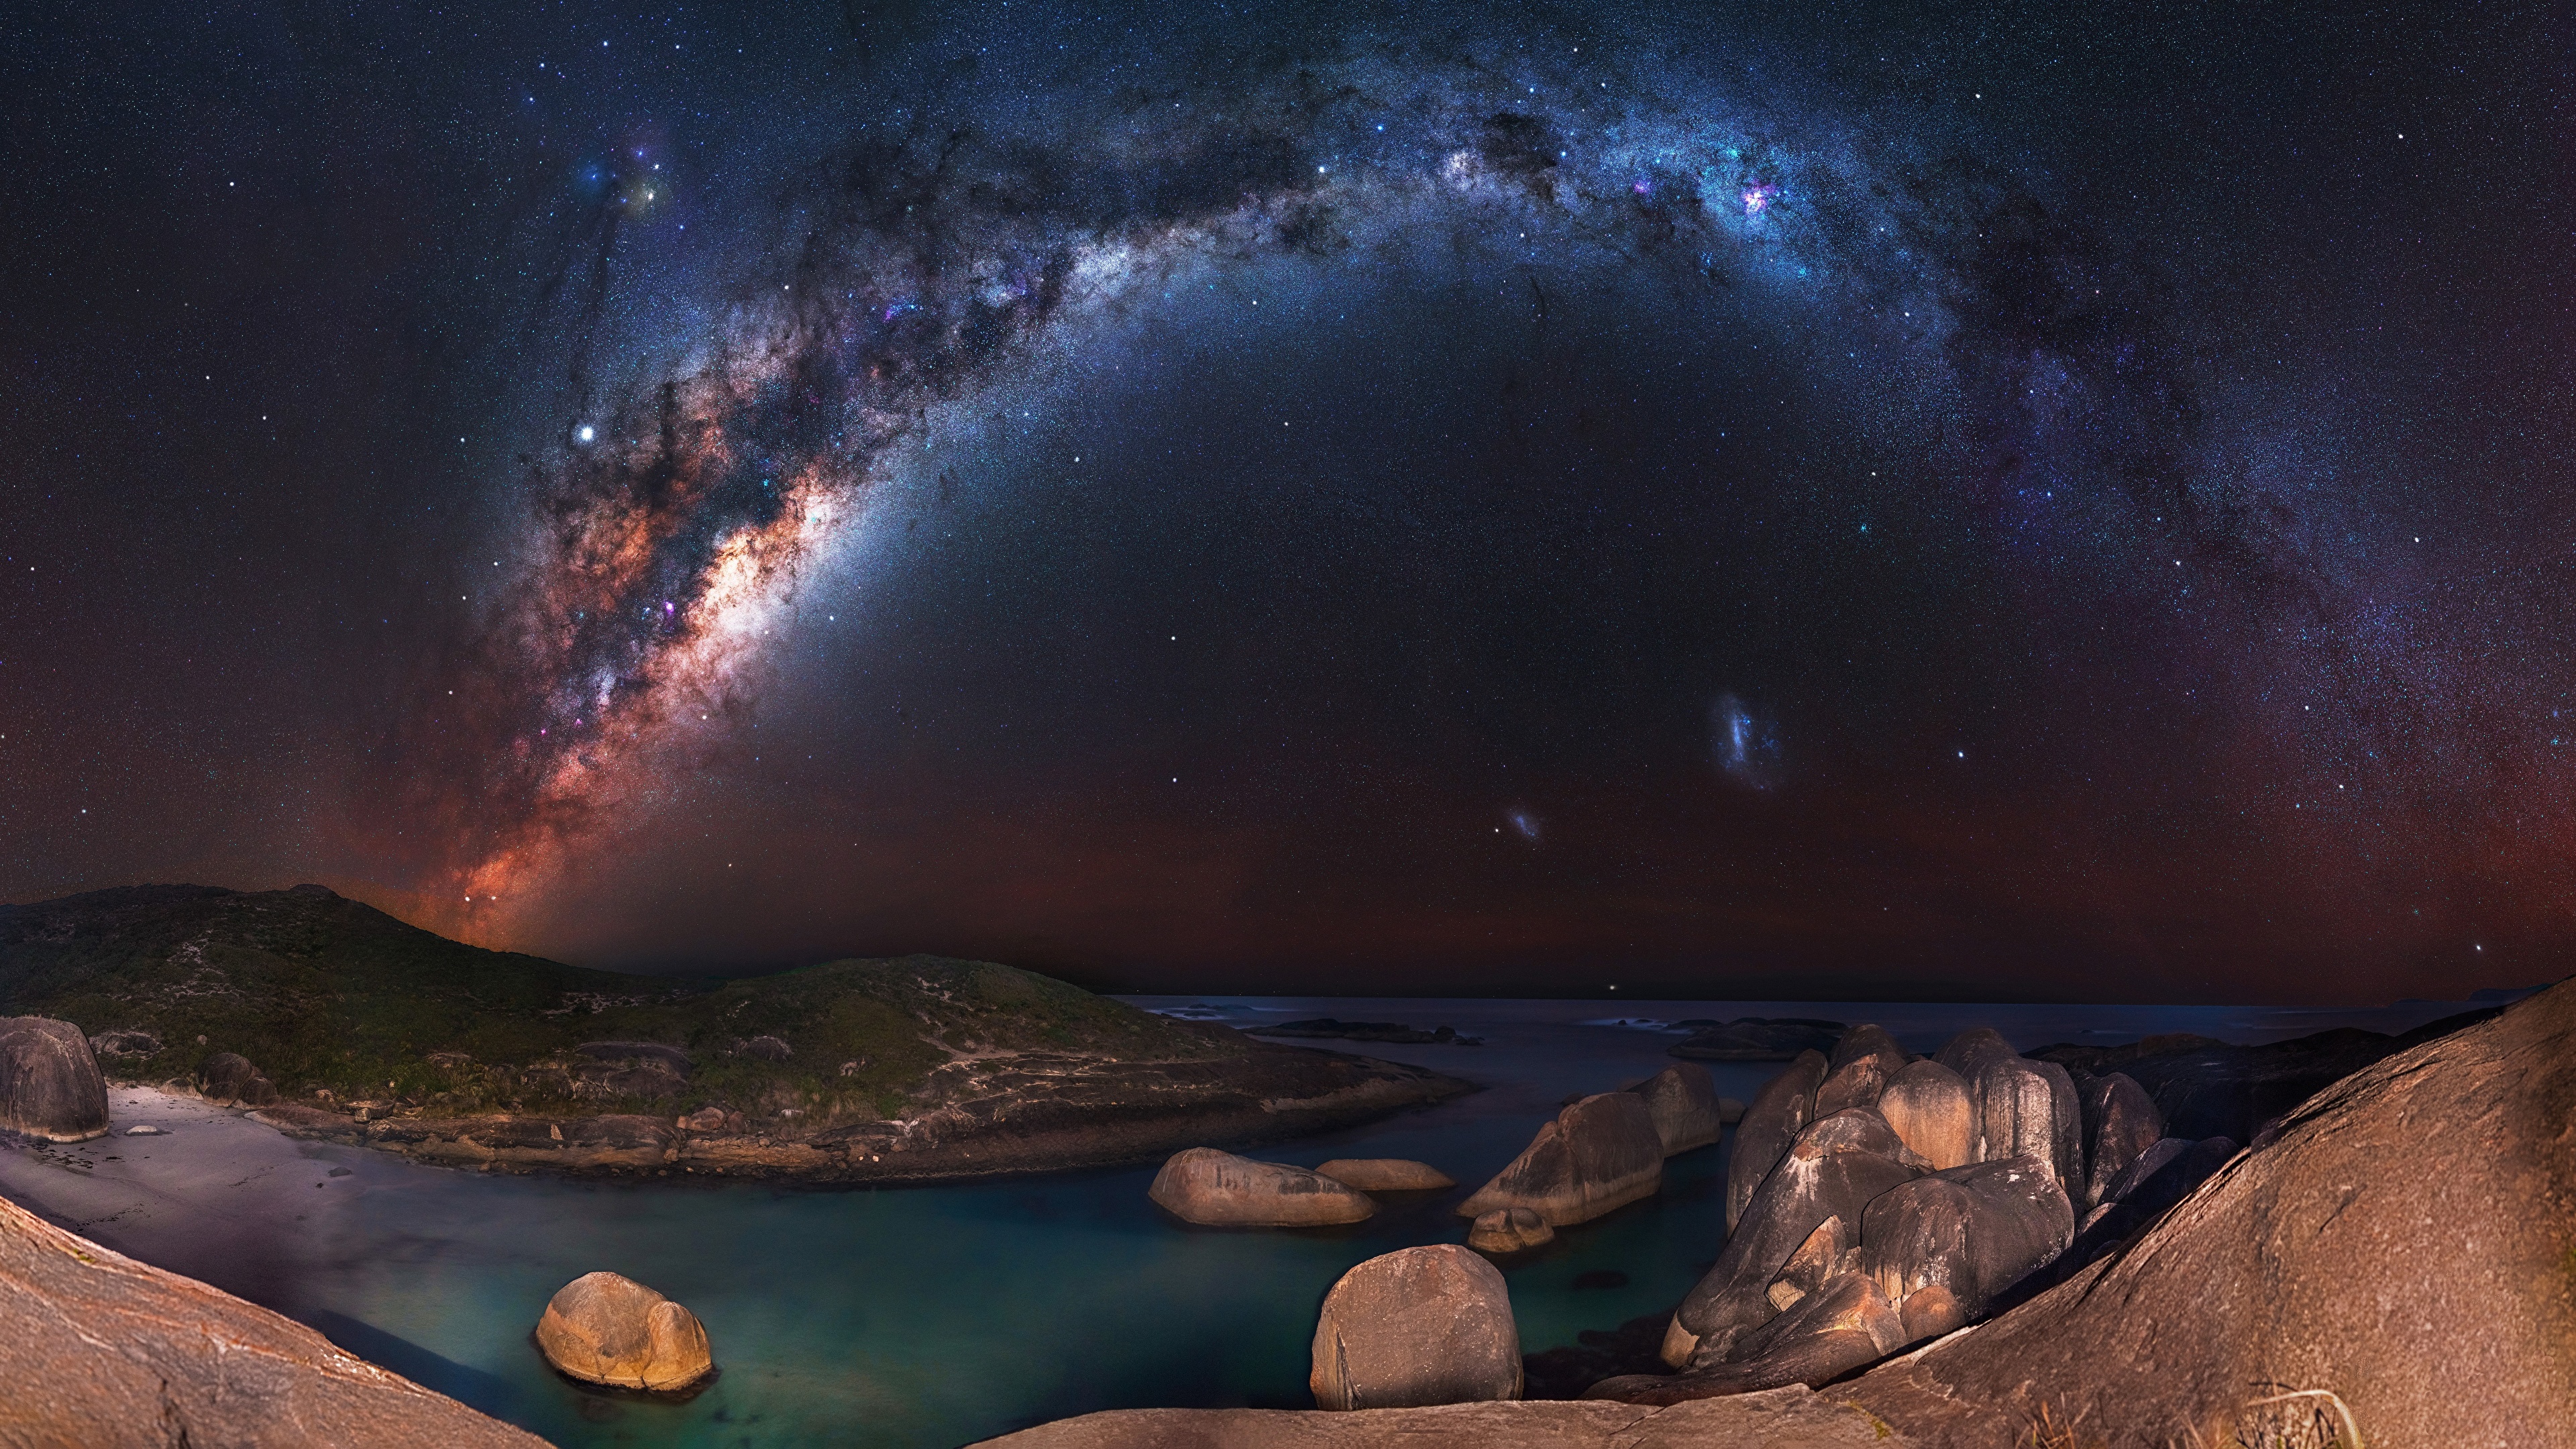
x=934, y=1317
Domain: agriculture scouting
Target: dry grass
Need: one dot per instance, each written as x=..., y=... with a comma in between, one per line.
x=2286, y=1419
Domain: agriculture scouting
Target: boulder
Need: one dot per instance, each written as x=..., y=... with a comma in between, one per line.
x=604, y=1328
x=1827, y=1254
x=2028, y=1109
x=766, y=1048
x=1972, y=1232
x=2120, y=1121
x=1599, y=1154
x=1418, y=1326
x=1386, y=1174
x=50, y=1087
x=1972, y=1051
x=1790, y=1418
x=1843, y=1325
x=227, y=1079
x=1218, y=1189
x=1834, y=1169
x=1682, y=1100
x=2399, y=1242
x=1510, y=1230
x=125, y=1042
x=1859, y=1069
x=2163, y=1175
x=1780, y=1111
x=1932, y=1109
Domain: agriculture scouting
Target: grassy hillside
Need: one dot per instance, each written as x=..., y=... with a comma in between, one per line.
x=323, y=993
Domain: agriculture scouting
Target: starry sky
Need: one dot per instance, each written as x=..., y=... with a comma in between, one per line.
x=1890, y=501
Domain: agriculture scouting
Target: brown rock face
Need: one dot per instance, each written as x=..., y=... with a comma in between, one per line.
x=1933, y=1110
x=1683, y=1102
x=228, y=1079
x=1863, y=1061
x=2400, y=1242
x=1832, y=1331
x=50, y=1086
x=1219, y=1189
x=1510, y=1230
x=100, y=1351
x=1971, y=1231
x=1600, y=1153
x=2029, y=1109
x=1780, y=1111
x=2120, y=1122
x=1419, y=1326
x=1784, y=1419
x=607, y=1329
x=1386, y=1174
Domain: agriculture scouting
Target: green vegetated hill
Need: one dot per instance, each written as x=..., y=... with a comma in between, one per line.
x=321, y=992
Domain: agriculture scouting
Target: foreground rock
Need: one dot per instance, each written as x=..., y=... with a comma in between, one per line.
x=1683, y=1103
x=1510, y=1230
x=1418, y=1326
x=604, y=1328
x=50, y=1085
x=1968, y=1233
x=1219, y=1189
x=1787, y=1419
x=2399, y=1242
x=1386, y=1174
x=228, y=1079
x=1599, y=1154
x=107, y=1353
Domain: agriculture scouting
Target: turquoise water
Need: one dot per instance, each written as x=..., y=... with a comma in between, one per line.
x=933, y=1317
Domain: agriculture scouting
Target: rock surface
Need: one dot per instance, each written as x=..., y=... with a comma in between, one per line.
x=1599, y=1154
x=2120, y=1121
x=1386, y=1174
x=106, y=1353
x=1785, y=1419
x=1418, y=1326
x=605, y=1328
x=228, y=1079
x=1218, y=1189
x=1972, y=1232
x=1844, y=1324
x=1779, y=1112
x=1509, y=1230
x=50, y=1086
x=1934, y=1112
x=2029, y=1109
x=1683, y=1102
x=2400, y=1242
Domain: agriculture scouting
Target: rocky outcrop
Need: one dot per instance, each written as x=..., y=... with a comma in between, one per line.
x=1971, y=1232
x=1780, y=1111
x=1756, y=1039
x=103, y=1352
x=1785, y=1419
x=228, y=1079
x=2029, y=1109
x=1844, y=1324
x=1599, y=1154
x=2120, y=1121
x=1219, y=1189
x=1386, y=1174
x=1934, y=1112
x=1683, y=1103
x=1509, y=1230
x=2399, y=1241
x=50, y=1087
x=1859, y=1069
x=1418, y=1326
x=605, y=1328
x=1972, y=1051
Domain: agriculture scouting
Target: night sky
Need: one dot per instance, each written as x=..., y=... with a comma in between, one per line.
x=1791, y=501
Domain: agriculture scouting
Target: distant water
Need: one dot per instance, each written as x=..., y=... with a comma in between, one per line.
x=934, y=1317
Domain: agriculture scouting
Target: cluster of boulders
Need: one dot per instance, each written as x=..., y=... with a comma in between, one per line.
x=1875, y=1200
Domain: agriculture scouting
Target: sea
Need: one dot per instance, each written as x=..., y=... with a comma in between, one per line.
x=933, y=1317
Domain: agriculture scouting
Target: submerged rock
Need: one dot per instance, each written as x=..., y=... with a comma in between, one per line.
x=1386, y=1174
x=605, y=1328
x=1682, y=1100
x=1419, y=1326
x=1509, y=1230
x=228, y=1079
x=1780, y=1111
x=1219, y=1189
x=50, y=1085
x=1599, y=1154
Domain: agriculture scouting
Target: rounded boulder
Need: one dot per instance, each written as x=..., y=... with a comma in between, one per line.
x=1599, y=1154
x=1510, y=1230
x=1220, y=1190
x=228, y=1079
x=605, y=1328
x=50, y=1085
x=1386, y=1174
x=1415, y=1327
x=1780, y=1111
x=1683, y=1102
x=1934, y=1111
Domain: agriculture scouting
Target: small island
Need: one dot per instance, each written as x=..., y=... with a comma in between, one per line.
x=330, y=1019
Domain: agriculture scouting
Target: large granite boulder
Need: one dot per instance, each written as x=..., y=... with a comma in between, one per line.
x=1846, y=1323
x=103, y=1352
x=1683, y=1102
x=1859, y=1069
x=50, y=1087
x=1218, y=1189
x=1934, y=1111
x=1790, y=1418
x=1780, y=1111
x=2029, y=1109
x=2398, y=1241
x=1509, y=1230
x=1599, y=1154
x=1970, y=1231
x=1835, y=1169
x=1386, y=1174
x=2120, y=1121
x=228, y=1079
x=1418, y=1326
x=604, y=1328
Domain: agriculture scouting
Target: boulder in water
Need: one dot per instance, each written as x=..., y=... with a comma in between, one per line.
x=50, y=1086
x=1599, y=1154
x=1417, y=1326
x=227, y=1079
x=1509, y=1230
x=1386, y=1174
x=1218, y=1189
x=1934, y=1111
x=605, y=1328
x=1683, y=1102
x=1780, y=1111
